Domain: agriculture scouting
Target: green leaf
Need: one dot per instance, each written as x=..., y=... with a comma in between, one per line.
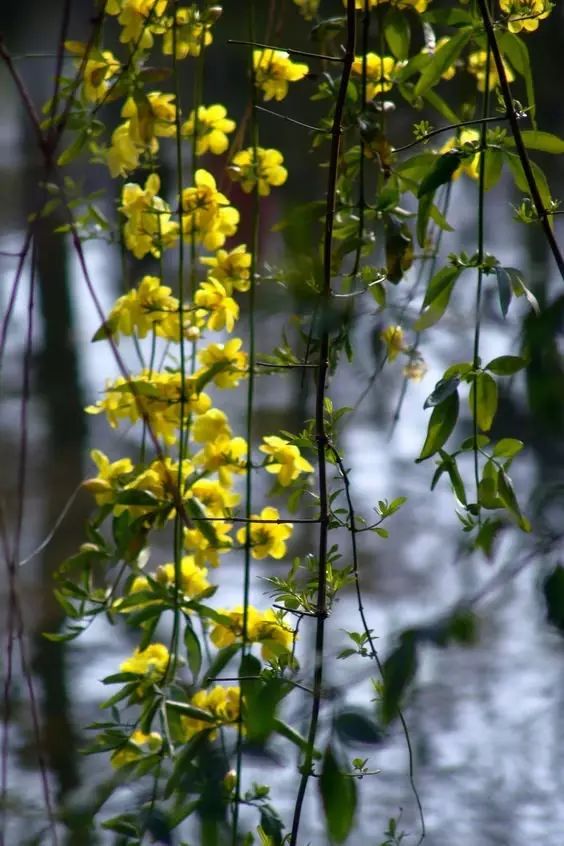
x=506, y=365
x=507, y=448
x=437, y=297
x=424, y=207
x=493, y=165
x=289, y=733
x=545, y=142
x=399, y=249
x=74, y=150
x=515, y=50
x=442, y=60
x=451, y=468
x=193, y=650
x=187, y=710
x=398, y=671
x=441, y=106
x=503, y=288
x=338, y=795
x=553, y=590
x=444, y=168
x=483, y=400
x=507, y=495
x=354, y=726
x=443, y=389
x=220, y=661
x=516, y=168
x=397, y=33
x=520, y=289
x=442, y=422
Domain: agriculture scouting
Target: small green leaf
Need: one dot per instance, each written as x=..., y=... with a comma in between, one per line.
x=503, y=288
x=442, y=172
x=187, y=710
x=507, y=494
x=506, y=365
x=443, y=389
x=437, y=297
x=520, y=289
x=544, y=142
x=507, y=448
x=397, y=33
x=220, y=661
x=289, y=733
x=442, y=422
x=442, y=60
x=514, y=48
x=193, y=650
x=338, y=795
x=483, y=400
x=493, y=165
x=398, y=671
x=520, y=180
x=355, y=726
x=423, y=213
x=195, y=509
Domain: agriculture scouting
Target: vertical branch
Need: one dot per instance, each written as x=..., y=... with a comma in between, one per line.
x=250, y=404
x=478, y=307
x=320, y=431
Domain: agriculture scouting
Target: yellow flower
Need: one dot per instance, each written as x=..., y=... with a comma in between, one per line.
x=211, y=425
x=284, y=459
x=97, y=75
x=207, y=215
x=140, y=19
x=110, y=474
x=205, y=552
x=192, y=33
x=214, y=305
x=223, y=456
x=232, y=269
x=152, y=661
x=267, y=628
x=138, y=744
x=122, y=156
x=233, y=359
x=308, y=8
x=525, y=14
x=217, y=501
x=221, y=703
x=392, y=336
x=379, y=73
x=470, y=165
x=155, y=397
x=150, y=116
x=477, y=67
x=149, y=228
x=193, y=579
x=267, y=170
x=274, y=70
x=160, y=479
x=212, y=127
x=149, y=307
x=266, y=538
x=419, y=5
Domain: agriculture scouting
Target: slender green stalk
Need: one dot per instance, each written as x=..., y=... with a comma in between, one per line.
x=320, y=431
x=255, y=246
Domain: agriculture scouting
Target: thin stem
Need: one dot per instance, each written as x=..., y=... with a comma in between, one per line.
x=320, y=431
x=289, y=50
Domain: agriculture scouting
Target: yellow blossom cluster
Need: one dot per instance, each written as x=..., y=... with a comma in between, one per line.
x=265, y=627
x=418, y=5
x=211, y=126
x=207, y=217
x=149, y=228
x=379, y=73
x=274, y=70
x=284, y=459
x=264, y=170
x=308, y=8
x=151, y=662
x=100, y=68
x=477, y=67
x=525, y=14
x=223, y=706
x=164, y=400
x=470, y=165
x=268, y=536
